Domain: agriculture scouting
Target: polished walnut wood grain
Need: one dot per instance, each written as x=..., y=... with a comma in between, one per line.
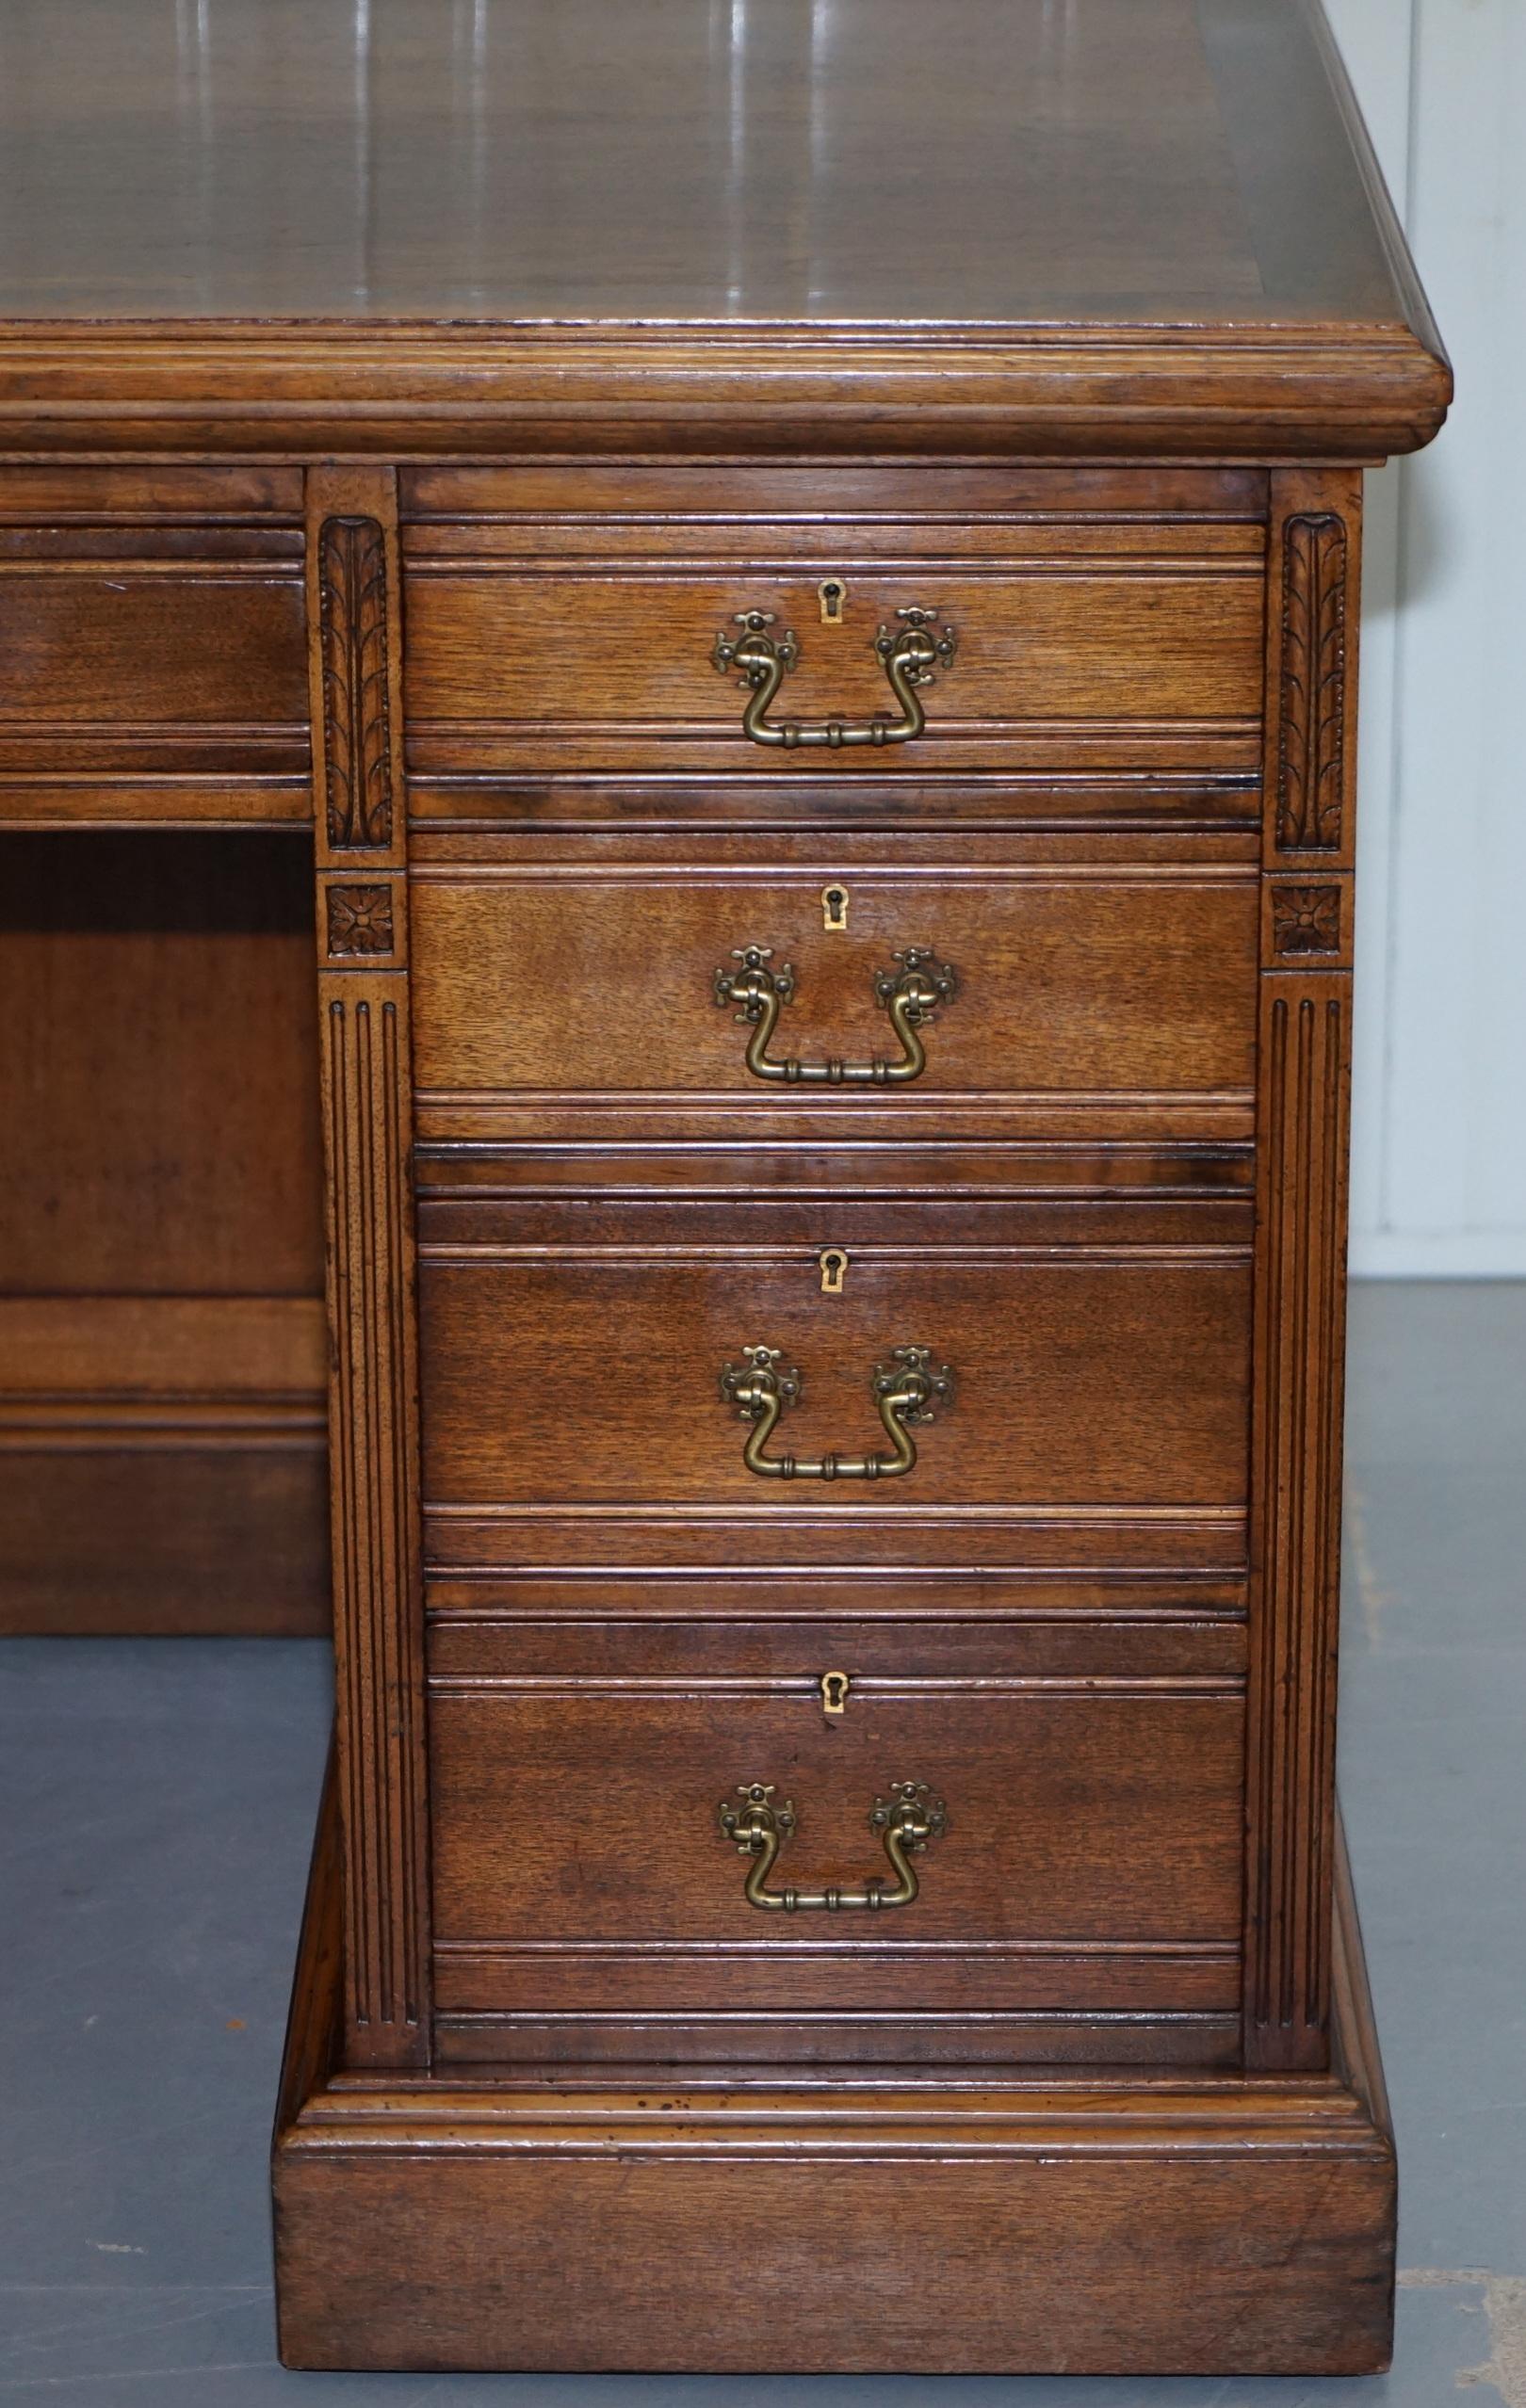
x=149, y=648
x=154, y=647
x=494, y=1205
x=1162, y=808
x=533, y=669
x=1256, y=2235
x=591, y=981
x=1036, y=1185
x=556, y=1542
x=1098, y=1868
x=568, y=621
x=1079, y=1816
x=914, y=510
x=134, y=493
x=1049, y=393
x=1074, y=1630
x=1107, y=1379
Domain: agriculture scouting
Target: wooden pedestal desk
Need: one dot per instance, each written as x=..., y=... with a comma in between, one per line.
x=811, y=555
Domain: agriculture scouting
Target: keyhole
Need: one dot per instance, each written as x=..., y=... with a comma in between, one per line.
x=834, y=596
x=834, y=1692
x=835, y=909
x=833, y=1264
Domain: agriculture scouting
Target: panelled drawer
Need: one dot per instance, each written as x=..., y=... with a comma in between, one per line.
x=710, y=1409
x=559, y=629
x=152, y=649
x=574, y=1358
x=586, y=1899
x=586, y=980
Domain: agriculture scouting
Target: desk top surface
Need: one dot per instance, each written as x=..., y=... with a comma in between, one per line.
x=1122, y=228
x=1006, y=162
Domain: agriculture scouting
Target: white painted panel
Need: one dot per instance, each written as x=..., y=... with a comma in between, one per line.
x=1440, y=1183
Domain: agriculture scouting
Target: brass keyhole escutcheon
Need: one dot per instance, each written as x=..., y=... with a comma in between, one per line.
x=835, y=910
x=833, y=1264
x=835, y=1692
x=832, y=595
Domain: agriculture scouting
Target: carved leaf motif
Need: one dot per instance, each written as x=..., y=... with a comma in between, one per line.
x=359, y=920
x=353, y=625
x=1306, y=919
x=1311, y=751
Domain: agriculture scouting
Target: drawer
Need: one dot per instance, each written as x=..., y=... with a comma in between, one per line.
x=588, y=1901
x=583, y=637
x=1117, y=988
x=153, y=651
x=587, y=1381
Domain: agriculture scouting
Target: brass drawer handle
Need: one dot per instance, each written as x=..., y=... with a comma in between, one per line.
x=906, y=1389
x=907, y=1822
x=910, y=655
x=909, y=994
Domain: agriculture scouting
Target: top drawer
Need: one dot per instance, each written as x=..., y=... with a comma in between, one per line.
x=151, y=626
x=128, y=647
x=1101, y=623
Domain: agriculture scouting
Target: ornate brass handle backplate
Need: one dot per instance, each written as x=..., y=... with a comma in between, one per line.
x=907, y=1820
x=910, y=655
x=906, y=1389
x=909, y=993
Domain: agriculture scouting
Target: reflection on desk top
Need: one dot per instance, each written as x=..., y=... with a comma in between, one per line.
x=995, y=160
x=1103, y=167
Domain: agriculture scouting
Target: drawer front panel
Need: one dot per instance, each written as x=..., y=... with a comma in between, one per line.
x=152, y=658
x=562, y=1373
x=913, y=509
x=120, y=645
x=1090, y=1864
x=609, y=665
x=1072, y=1816
x=598, y=985
x=1166, y=1636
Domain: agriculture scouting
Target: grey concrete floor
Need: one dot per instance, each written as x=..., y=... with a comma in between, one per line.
x=157, y=1802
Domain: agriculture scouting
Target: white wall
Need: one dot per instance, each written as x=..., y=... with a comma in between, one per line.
x=1440, y=1175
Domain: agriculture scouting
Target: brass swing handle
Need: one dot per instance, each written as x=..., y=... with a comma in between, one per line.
x=909, y=994
x=906, y=1389
x=910, y=655
x=907, y=1820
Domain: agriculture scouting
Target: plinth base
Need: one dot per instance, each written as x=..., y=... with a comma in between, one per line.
x=1104, y=2222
